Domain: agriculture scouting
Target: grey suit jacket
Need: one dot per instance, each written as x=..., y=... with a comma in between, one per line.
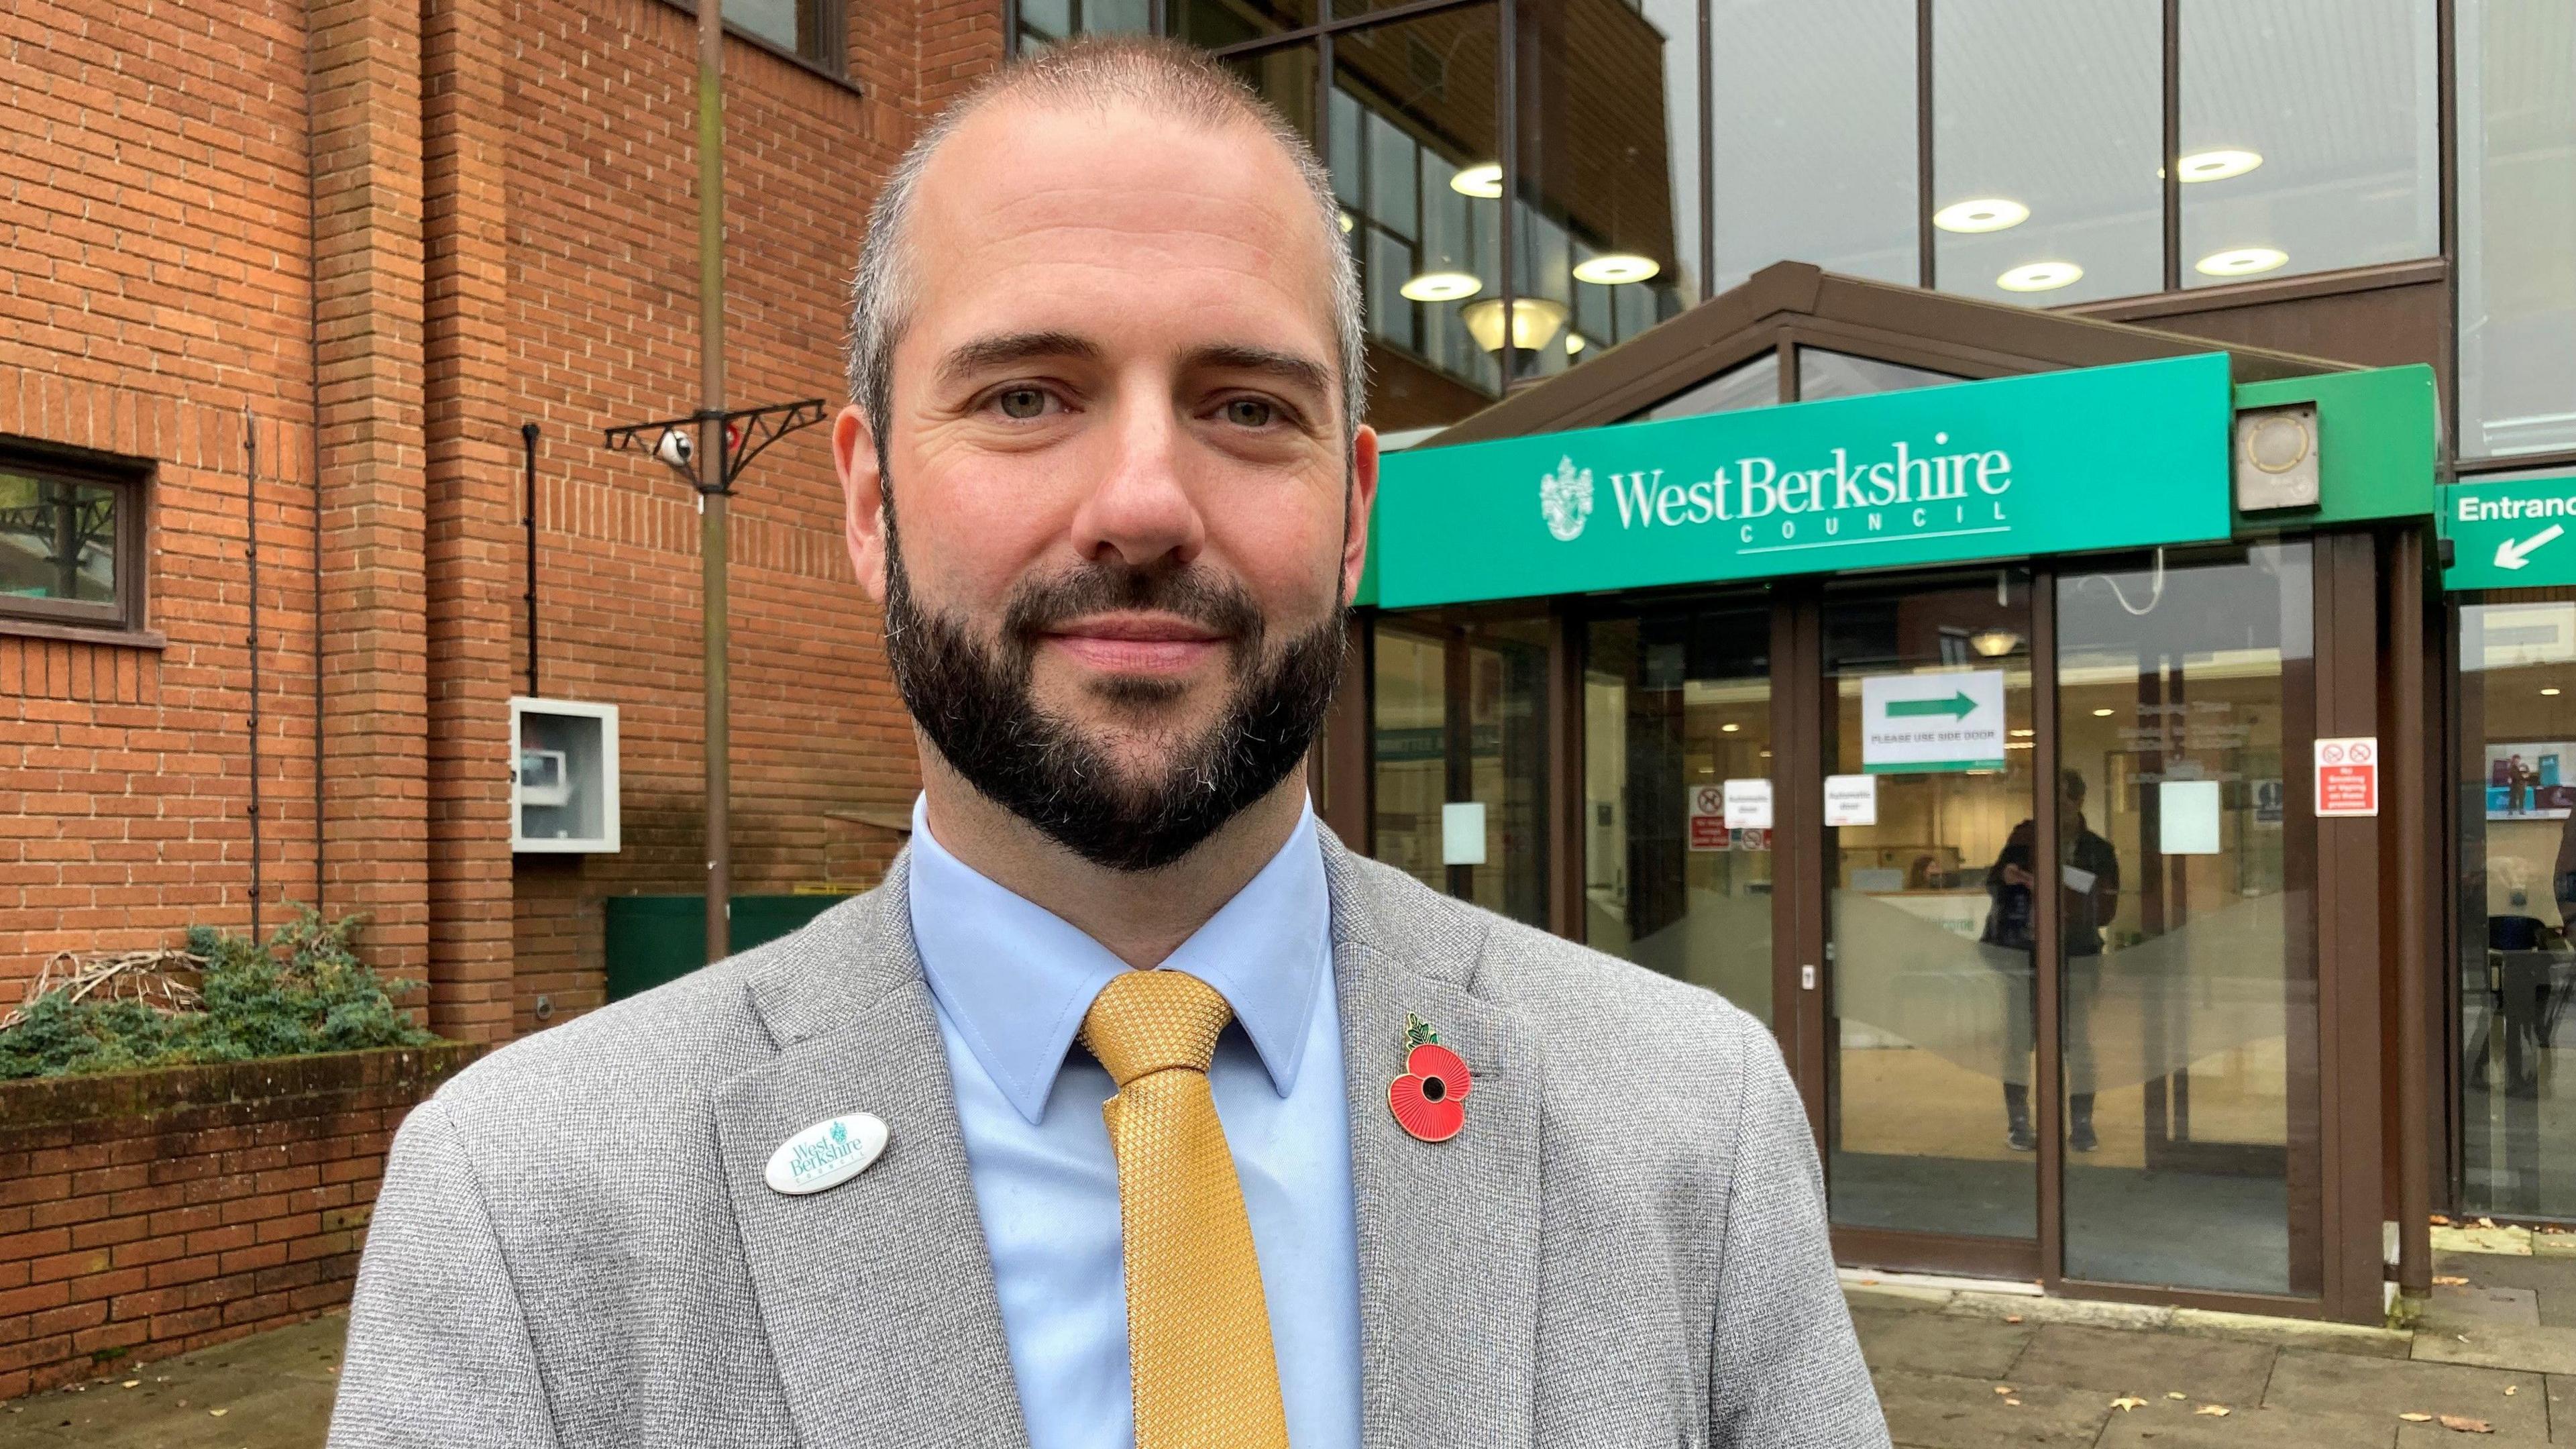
x=574, y=1244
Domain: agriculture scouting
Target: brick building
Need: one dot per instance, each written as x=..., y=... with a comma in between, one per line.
x=281, y=285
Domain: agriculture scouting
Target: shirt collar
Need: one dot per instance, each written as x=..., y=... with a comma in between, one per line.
x=1015, y=978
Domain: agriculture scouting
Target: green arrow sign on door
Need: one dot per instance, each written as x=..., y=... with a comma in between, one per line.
x=1956, y=706
x=2511, y=534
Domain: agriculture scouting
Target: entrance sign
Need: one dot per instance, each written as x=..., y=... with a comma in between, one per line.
x=2510, y=535
x=2106, y=457
x=1851, y=800
x=2348, y=776
x=1748, y=804
x=1914, y=723
x=1708, y=817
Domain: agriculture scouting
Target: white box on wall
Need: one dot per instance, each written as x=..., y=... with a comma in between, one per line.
x=563, y=776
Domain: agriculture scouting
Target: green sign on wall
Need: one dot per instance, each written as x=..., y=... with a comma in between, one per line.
x=2519, y=533
x=2106, y=457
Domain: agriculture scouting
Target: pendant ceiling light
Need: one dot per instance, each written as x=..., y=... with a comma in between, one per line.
x=2241, y=262
x=2039, y=277
x=1987, y=213
x=1442, y=287
x=1612, y=268
x=1534, y=322
x=1484, y=179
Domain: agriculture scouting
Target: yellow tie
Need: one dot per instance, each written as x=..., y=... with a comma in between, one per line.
x=1198, y=1330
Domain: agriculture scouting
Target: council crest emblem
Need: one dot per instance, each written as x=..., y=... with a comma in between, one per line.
x=1565, y=499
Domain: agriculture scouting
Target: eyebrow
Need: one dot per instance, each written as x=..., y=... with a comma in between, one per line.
x=1292, y=368
x=1003, y=350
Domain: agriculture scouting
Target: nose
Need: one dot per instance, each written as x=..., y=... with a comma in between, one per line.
x=1141, y=511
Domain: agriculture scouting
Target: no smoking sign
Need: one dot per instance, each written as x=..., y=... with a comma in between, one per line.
x=2348, y=776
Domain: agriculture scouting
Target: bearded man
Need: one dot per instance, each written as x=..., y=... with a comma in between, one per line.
x=1132, y=1108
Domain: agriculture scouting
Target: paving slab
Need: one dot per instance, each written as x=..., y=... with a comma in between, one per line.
x=2149, y=1365
x=2334, y=1383
x=2167, y=1424
x=2474, y=1303
x=2499, y=1345
x=274, y=1388
x=2551, y=1277
x=1939, y=1343
x=2562, y=1409
x=1946, y=1411
x=2478, y=1238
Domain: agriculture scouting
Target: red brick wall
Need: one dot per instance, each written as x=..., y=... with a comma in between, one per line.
x=148, y=1214
x=500, y=195
x=155, y=283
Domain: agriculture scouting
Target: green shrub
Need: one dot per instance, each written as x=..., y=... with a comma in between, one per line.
x=304, y=991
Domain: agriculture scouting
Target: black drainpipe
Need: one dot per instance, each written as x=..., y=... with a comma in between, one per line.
x=528, y=436
x=250, y=515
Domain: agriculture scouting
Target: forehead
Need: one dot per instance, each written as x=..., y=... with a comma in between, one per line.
x=1099, y=219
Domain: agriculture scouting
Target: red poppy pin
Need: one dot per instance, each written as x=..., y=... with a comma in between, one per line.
x=1429, y=1100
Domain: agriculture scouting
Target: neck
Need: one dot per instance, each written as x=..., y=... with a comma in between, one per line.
x=1140, y=917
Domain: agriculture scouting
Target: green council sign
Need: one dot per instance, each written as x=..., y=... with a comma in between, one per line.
x=2513, y=534
x=2106, y=457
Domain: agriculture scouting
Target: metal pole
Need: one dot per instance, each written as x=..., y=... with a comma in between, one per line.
x=712, y=464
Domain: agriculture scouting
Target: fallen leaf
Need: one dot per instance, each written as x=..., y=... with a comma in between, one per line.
x=2125, y=1403
x=219, y=1413
x=2177, y=1394
x=2003, y=1388
x=2462, y=1424
x=2016, y=1403
x=2215, y=1411
x=2450, y=1280
x=2511, y=1390
x=2417, y=1418
x=2012, y=1318
x=133, y=1383
x=2440, y=1221
x=2486, y=1222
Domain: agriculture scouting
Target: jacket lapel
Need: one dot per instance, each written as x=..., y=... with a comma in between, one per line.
x=1448, y=1231
x=877, y=1294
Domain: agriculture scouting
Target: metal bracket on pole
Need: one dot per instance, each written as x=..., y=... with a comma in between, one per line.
x=748, y=431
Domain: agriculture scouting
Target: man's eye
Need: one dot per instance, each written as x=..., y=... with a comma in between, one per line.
x=1250, y=412
x=1022, y=403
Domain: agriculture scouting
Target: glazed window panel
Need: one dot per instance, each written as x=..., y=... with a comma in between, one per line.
x=1808, y=172
x=2516, y=102
x=2047, y=121
x=811, y=28
x=2330, y=162
x=64, y=546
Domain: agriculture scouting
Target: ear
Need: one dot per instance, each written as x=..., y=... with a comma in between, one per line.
x=854, y=457
x=1363, y=499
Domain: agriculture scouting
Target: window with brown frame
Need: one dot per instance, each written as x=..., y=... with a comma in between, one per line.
x=70, y=542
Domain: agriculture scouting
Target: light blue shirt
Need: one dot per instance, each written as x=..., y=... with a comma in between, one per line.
x=1012, y=982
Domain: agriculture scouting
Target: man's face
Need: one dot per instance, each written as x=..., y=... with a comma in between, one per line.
x=1116, y=522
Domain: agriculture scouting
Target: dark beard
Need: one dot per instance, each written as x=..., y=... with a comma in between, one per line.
x=975, y=704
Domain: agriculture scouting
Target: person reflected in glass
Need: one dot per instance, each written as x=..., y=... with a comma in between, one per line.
x=2089, y=894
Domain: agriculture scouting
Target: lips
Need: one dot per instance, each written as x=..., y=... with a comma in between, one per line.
x=1137, y=643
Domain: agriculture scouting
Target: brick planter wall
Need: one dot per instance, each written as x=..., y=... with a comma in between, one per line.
x=146, y=1214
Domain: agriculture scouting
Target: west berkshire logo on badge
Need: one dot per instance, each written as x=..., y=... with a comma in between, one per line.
x=1429, y=1100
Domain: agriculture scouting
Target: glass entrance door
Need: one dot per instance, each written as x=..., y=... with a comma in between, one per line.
x=1676, y=709
x=1927, y=864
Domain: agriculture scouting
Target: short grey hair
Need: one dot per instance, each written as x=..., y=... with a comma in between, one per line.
x=1162, y=75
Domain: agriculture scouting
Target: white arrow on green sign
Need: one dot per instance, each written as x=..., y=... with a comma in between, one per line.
x=2509, y=534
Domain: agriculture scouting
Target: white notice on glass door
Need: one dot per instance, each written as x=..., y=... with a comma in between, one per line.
x=1932, y=722
x=1748, y=804
x=1851, y=800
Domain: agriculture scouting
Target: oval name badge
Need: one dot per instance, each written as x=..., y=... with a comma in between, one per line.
x=827, y=1154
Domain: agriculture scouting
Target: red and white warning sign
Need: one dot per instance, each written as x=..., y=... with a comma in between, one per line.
x=2348, y=776
x=1708, y=818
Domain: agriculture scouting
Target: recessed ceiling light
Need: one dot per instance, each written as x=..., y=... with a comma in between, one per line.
x=1612, y=268
x=1442, y=286
x=2039, y=277
x=1482, y=179
x=1732, y=728
x=1988, y=213
x=1574, y=343
x=2551, y=691
x=2101, y=714
x=1346, y=221
x=2218, y=164
x=2022, y=734
x=2240, y=261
